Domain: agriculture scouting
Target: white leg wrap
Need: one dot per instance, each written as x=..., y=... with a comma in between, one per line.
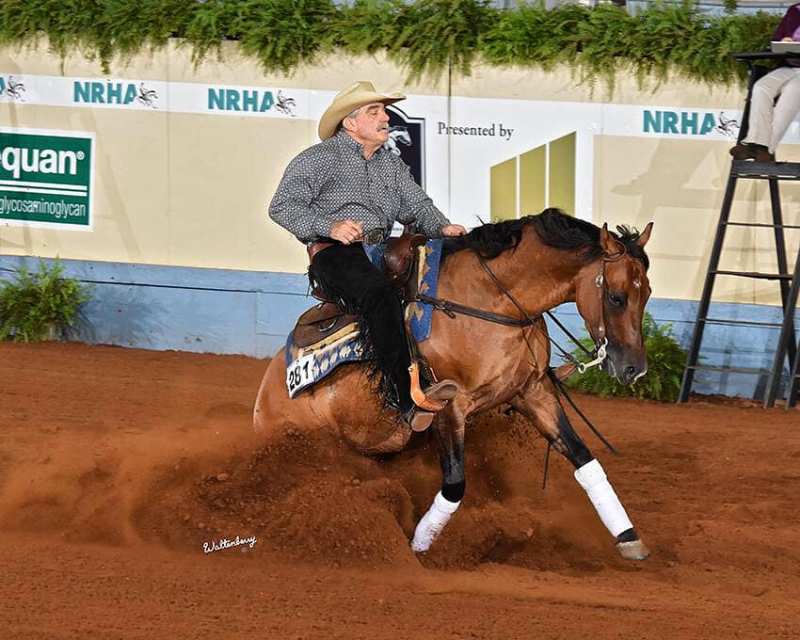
x=593, y=480
x=433, y=522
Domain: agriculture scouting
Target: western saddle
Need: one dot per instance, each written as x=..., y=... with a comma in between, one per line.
x=327, y=318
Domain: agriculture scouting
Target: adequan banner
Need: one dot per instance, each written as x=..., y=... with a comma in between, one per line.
x=47, y=177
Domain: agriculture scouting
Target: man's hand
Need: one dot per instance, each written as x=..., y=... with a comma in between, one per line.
x=453, y=230
x=347, y=231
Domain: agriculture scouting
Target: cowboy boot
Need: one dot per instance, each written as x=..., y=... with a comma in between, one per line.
x=418, y=419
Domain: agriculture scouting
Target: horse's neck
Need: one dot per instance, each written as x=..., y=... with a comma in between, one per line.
x=538, y=276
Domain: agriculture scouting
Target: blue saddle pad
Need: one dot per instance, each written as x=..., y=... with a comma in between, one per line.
x=420, y=314
x=308, y=365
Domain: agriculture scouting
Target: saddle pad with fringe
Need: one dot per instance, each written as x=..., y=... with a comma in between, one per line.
x=305, y=366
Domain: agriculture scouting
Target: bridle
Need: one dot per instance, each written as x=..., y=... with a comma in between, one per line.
x=599, y=335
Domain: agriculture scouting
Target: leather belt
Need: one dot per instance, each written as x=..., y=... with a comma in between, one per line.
x=374, y=236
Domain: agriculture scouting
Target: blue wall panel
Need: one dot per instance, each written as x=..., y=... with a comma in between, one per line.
x=182, y=308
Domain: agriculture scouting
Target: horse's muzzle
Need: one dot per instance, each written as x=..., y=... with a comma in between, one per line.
x=625, y=370
x=631, y=374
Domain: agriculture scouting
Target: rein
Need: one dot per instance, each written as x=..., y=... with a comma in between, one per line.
x=451, y=308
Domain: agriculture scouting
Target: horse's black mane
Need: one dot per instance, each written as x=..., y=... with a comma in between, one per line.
x=554, y=228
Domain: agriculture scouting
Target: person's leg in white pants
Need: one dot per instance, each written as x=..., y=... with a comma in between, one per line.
x=769, y=123
x=785, y=109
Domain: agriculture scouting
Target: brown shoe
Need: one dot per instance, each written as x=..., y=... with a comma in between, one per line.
x=763, y=155
x=746, y=151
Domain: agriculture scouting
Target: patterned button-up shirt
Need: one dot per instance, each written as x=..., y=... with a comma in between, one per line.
x=332, y=181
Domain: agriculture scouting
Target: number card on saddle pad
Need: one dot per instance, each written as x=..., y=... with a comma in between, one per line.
x=306, y=365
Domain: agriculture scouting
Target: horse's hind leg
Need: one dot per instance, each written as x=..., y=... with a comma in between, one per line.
x=539, y=403
x=449, y=432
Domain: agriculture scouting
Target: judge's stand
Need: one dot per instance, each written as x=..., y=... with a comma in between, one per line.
x=778, y=384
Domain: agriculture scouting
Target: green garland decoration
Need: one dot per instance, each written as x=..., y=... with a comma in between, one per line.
x=427, y=37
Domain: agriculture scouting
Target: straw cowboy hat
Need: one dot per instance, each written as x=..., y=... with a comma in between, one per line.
x=348, y=100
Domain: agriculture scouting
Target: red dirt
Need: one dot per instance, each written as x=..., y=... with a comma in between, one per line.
x=110, y=482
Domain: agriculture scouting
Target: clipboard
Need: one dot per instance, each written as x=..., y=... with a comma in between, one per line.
x=778, y=46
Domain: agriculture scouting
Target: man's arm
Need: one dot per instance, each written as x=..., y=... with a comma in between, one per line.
x=416, y=205
x=788, y=24
x=292, y=205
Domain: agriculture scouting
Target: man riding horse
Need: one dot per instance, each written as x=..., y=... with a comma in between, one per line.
x=348, y=190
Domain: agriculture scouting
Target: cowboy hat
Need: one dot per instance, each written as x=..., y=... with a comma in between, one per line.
x=348, y=100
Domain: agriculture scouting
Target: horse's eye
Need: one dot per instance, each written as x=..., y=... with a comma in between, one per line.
x=616, y=299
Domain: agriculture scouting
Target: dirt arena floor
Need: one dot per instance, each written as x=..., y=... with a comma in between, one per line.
x=117, y=465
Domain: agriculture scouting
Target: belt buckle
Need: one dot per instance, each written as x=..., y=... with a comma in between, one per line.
x=374, y=236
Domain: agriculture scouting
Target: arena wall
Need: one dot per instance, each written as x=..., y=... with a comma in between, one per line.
x=186, y=158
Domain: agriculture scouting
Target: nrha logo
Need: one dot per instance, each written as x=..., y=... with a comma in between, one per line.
x=118, y=93
x=12, y=88
x=689, y=123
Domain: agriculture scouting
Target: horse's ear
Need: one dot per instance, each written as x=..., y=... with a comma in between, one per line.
x=608, y=243
x=644, y=236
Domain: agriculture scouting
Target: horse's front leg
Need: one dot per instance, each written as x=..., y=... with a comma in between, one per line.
x=449, y=432
x=539, y=403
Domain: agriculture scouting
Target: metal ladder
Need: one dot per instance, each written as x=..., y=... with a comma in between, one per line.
x=789, y=283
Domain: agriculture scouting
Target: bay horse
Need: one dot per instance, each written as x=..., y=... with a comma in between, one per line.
x=511, y=269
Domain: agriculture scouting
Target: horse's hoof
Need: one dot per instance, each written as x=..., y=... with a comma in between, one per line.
x=634, y=550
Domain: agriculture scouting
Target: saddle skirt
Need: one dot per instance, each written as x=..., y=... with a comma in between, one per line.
x=325, y=337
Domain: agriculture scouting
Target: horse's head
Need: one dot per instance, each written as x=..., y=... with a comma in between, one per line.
x=611, y=293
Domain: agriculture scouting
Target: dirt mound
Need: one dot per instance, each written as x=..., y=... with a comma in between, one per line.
x=312, y=498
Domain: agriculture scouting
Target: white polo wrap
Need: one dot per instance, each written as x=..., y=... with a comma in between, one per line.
x=433, y=522
x=593, y=480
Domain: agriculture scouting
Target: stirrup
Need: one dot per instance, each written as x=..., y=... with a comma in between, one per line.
x=435, y=397
x=418, y=419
